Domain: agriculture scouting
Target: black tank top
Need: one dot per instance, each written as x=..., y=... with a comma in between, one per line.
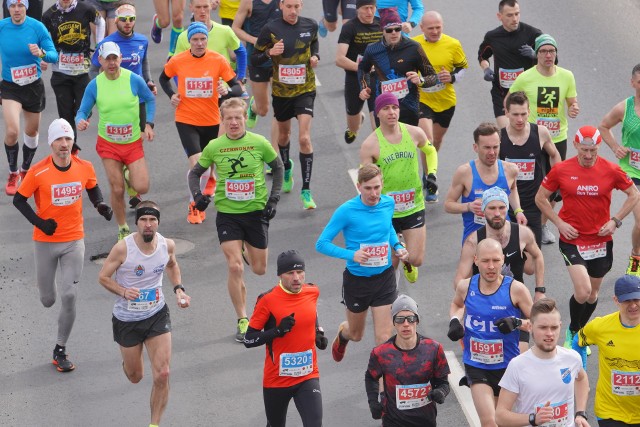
x=261, y=13
x=513, y=258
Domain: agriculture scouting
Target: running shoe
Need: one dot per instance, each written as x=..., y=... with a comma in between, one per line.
x=431, y=198
x=349, y=136
x=245, y=95
x=13, y=182
x=60, y=360
x=210, y=188
x=568, y=338
x=193, y=217
x=156, y=31
x=127, y=184
x=547, y=236
x=322, y=30
x=307, y=200
x=22, y=175
x=287, y=183
x=243, y=325
x=339, y=346
x=134, y=201
x=410, y=272
x=123, y=232
x=634, y=266
x=252, y=117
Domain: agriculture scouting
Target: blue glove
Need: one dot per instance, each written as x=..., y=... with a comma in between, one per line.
x=582, y=351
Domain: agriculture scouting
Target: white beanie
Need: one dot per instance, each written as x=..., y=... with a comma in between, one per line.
x=59, y=128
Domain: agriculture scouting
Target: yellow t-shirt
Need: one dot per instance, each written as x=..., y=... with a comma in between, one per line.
x=618, y=389
x=446, y=52
x=228, y=8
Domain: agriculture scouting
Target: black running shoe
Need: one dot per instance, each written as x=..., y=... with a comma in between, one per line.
x=60, y=360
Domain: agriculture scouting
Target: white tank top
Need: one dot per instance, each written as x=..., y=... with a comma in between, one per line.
x=144, y=272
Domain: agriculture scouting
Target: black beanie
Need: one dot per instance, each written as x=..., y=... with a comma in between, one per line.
x=290, y=260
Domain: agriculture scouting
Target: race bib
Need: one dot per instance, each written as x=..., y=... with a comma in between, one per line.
x=508, y=76
x=119, y=132
x=147, y=299
x=292, y=74
x=478, y=219
x=65, y=194
x=412, y=396
x=198, y=87
x=73, y=62
x=552, y=124
x=24, y=75
x=588, y=252
x=296, y=364
x=625, y=383
x=526, y=168
x=398, y=87
x=488, y=352
x=405, y=200
x=240, y=189
x=634, y=158
x=378, y=254
x=560, y=414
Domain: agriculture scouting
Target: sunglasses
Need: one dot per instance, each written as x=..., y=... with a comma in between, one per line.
x=393, y=30
x=399, y=320
x=127, y=19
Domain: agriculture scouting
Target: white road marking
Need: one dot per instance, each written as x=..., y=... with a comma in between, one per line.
x=318, y=84
x=463, y=394
x=353, y=173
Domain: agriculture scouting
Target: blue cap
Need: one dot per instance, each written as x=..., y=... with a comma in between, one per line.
x=627, y=287
x=494, y=193
x=195, y=28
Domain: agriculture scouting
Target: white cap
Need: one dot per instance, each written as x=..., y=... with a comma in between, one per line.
x=109, y=48
x=59, y=128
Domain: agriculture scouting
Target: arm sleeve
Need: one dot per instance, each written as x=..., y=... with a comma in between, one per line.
x=325, y=244
x=101, y=27
x=256, y=338
x=241, y=61
x=165, y=84
x=194, y=178
x=95, y=195
x=235, y=90
x=146, y=69
x=88, y=101
x=277, y=171
x=20, y=202
x=364, y=67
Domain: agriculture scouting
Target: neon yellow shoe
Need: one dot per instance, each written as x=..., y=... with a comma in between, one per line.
x=287, y=182
x=634, y=266
x=123, y=231
x=243, y=325
x=307, y=200
x=410, y=272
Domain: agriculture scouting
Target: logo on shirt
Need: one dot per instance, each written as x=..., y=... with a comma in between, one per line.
x=587, y=190
x=498, y=307
x=158, y=269
x=70, y=33
x=139, y=270
x=307, y=34
x=565, y=374
x=610, y=344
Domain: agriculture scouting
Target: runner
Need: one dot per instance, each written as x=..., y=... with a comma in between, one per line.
x=199, y=72
x=393, y=148
x=369, y=279
x=117, y=93
x=285, y=319
x=140, y=313
x=493, y=306
x=471, y=179
x=22, y=88
x=227, y=11
x=627, y=113
x=528, y=145
x=292, y=45
x=107, y=11
x=244, y=211
x=586, y=182
x=56, y=182
x=616, y=335
x=511, y=46
x=408, y=23
x=352, y=42
x=328, y=22
x=34, y=10
x=438, y=103
x=164, y=17
x=546, y=385
x=414, y=370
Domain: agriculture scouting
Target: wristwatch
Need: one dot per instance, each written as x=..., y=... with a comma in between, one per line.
x=176, y=287
x=540, y=289
x=582, y=414
x=532, y=419
x=617, y=221
x=151, y=125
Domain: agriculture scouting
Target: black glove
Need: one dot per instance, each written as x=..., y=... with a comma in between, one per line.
x=376, y=410
x=285, y=325
x=321, y=341
x=430, y=184
x=437, y=395
x=506, y=325
x=48, y=226
x=527, y=51
x=488, y=74
x=201, y=201
x=105, y=210
x=269, y=210
x=456, y=331
x=75, y=148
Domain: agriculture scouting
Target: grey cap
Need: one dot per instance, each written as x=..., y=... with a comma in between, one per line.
x=404, y=302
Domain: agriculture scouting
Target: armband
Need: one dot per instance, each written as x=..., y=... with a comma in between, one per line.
x=176, y=287
x=517, y=211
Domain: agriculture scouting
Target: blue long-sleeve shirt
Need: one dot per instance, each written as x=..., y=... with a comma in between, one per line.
x=417, y=9
x=362, y=226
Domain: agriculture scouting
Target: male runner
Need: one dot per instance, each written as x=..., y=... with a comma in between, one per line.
x=24, y=44
x=285, y=319
x=393, y=148
x=56, y=182
x=163, y=17
x=471, y=179
x=354, y=38
x=199, y=72
x=369, y=279
x=528, y=145
x=329, y=20
x=292, y=45
x=616, y=335
x=545, y=385
x=491, y=306
x=511, y=46
x=586, y=182
x=244, y=209
x=627, y=112
x=34, y=10
x=140, y=313
x=414, y=371
x=107, y=11
x=117, y=93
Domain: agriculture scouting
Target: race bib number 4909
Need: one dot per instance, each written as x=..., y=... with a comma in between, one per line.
x=240, y=189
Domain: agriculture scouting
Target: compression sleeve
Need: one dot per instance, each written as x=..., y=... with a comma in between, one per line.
x=256, y=338
x=88, y=101
x=241, y=61
x=194, y=178
x=95, y=195
x=165, y=84
x=277, y=175
x=101, y=26
x=235, y=90
x=146, y=69
x=457, y=74
x=432, y=156
x=20, y=202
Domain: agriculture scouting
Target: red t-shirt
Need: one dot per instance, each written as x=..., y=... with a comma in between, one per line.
x=586, y=195
x=291, y=359
x=58, y=195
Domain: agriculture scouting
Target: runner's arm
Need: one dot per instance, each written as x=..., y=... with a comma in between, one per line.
x=548, y=146
x=260, y=54
x=235, y=90
x=325, y=244
x=611, y=119
x=451, y=203
x=426, y=69
x=88, y=101
x=417, y=10
x=633, y=196
x=465, y=264
x=341, y=58
x=256, y=338
x=241, y=61
x=533, y=250
x=20, y=202
x=95, y=195
x=581, y=391
x=140, y=88
x=505, y=417
x=372, y=378
x=47, y=46
x=146, y=68
x=114, y=260
x=238, y=21
x=194, y=178
x=457, y=304
x=277, y=176
x=165, y=84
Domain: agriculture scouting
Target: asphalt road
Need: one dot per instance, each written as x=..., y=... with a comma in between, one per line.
x=215, y=381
